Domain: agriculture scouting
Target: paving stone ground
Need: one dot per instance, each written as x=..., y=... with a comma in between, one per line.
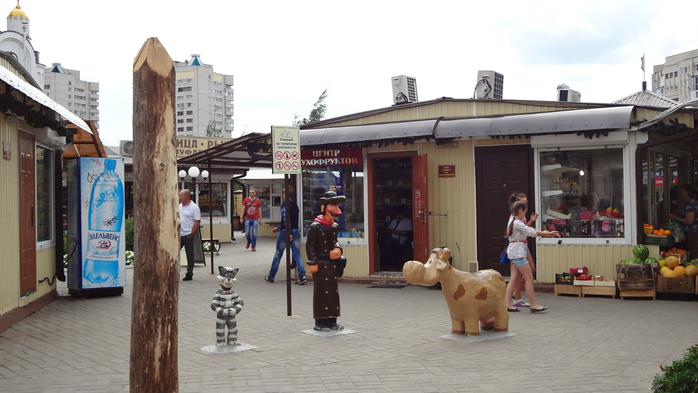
x=592, y=344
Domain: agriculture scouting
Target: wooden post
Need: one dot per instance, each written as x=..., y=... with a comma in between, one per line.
x=153, y=366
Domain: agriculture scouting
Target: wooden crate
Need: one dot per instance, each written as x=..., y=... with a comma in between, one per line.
x=638, y=293
x=561, y=289
x=676, y=284
x=635, y=276
x=602, y=290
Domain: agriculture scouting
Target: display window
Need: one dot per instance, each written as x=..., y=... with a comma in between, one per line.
x=582, y=194
x=662, y=175
x=269, y=195
x=344, y=180
x=219, y=200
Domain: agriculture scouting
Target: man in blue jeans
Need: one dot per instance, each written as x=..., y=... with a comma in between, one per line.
x=281, y=240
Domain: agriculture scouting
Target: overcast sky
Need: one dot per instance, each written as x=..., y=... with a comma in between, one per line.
x=283, y=54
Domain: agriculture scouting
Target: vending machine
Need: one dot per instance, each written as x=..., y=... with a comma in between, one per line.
x=96, y=242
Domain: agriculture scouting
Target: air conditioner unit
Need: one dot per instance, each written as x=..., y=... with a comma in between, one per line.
x=404, y=89
x=126, y=148
x=569, y=95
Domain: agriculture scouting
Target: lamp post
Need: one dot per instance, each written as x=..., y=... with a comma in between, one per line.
x=193, y=174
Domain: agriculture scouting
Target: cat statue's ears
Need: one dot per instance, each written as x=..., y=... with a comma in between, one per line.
x=222, y=270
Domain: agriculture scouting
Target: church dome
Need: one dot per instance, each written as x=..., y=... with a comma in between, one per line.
x=18, y=12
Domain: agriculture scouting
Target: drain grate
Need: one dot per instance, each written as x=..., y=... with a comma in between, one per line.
x=387, y=286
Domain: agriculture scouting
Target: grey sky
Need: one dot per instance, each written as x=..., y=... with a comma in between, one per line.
x=283, y=54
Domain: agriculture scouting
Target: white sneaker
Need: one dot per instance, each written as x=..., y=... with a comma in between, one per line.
x=521, y=303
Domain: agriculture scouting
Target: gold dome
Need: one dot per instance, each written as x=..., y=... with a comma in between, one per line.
x=18, y=12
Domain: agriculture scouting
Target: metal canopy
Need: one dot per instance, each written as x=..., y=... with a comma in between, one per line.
x=248, y=151
x=612, y=118
x=39, y=96
x=368, y=133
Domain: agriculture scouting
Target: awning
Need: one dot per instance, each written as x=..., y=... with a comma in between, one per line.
x=568, y=121
x=248, y=151
x=39, y=96
x=84, y=144
x=368, y=133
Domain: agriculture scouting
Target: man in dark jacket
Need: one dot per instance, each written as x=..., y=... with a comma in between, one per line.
x=326, y=263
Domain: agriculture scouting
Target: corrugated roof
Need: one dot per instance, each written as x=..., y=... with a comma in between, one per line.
x=647, y=98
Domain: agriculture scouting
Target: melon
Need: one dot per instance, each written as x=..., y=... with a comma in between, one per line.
x=635, y=261
x=662, y=270
x=672, y=262
x=680, y=271
x=651, y=260
x=691, y=271
x=662, y=262
x=641, y=251
x=670, y=273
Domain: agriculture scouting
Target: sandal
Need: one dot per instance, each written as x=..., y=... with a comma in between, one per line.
x=534, y=310
x=513, y=309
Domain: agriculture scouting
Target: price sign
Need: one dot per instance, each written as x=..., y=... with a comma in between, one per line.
x=286, y=148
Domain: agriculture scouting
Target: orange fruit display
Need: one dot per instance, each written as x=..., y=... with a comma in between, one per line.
x=672, y=262
x=680, y=271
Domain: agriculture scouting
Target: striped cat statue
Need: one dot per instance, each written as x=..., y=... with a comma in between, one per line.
x=227, y=304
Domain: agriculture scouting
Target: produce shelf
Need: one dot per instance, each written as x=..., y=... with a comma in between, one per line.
x=601, y=291
x=561, y=289
x=638, y=293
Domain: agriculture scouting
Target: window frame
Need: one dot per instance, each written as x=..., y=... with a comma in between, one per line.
x=51, y=242
x=565, y=143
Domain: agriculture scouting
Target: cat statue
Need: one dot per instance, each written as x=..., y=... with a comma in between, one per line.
x=227, y=304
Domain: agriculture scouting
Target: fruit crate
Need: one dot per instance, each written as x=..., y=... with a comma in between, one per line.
x=635, y=276
x=676, y=284
x=611, y=291
x=564, y=279
x=566, y=289
x=657, y=240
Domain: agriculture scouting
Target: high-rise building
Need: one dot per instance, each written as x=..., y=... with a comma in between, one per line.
x=677, y=78
x=66, y=88
x=204, y=100
x=492, y=80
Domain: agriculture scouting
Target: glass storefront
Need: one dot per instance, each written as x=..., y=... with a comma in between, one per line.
x=582, y=192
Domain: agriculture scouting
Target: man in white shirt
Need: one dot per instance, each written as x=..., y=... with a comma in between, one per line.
x=394, y=246
x=400, y=227
x=190, y=217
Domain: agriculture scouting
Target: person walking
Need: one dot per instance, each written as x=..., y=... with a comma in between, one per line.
x=518, y=300
x=190, y=218
x=689, y=218
x=251, y=217
x=517, y=233
x=295, y=238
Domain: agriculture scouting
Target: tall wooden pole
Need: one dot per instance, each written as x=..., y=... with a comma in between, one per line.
x=153, y=366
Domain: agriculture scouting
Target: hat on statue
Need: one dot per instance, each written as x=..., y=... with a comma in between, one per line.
x=331, y=198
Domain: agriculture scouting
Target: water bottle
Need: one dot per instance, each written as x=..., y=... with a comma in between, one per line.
x=104, y=234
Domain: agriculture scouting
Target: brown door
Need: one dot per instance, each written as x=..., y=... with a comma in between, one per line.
x=499, y=172
x=420, y=207
x=27, y=231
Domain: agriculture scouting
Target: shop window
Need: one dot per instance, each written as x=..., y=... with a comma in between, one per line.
x=219, y=201
x=582, y=193
x=344, y=180
x=44, y=195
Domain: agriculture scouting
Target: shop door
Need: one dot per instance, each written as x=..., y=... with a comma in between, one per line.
x=420, y=218
x=499, y=172
x=27, y=231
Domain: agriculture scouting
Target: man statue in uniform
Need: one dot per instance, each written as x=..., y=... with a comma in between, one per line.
x=326, y=262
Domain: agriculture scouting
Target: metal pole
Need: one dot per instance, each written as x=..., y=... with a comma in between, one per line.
x=287, y=226
x=210, y=215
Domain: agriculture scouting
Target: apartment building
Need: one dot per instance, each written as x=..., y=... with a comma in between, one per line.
x=677, y=78
x=65, y=87
x=204, y=100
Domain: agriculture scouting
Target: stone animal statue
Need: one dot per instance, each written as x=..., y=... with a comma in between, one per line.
x=471, y=298
x=227, y=304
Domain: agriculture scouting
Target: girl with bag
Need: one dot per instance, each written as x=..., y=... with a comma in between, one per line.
x=517, y=233
x=251, y=217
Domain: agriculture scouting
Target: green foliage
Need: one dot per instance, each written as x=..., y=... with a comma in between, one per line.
x=681, y=376
x=317, y=114
x=129, y=234
x=212, y=131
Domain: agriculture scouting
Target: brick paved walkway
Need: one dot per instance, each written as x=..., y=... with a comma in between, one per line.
x=592, y=344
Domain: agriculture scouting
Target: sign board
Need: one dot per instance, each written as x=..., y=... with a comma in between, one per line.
x=447, y=171
x=332, y=157
x=286, y=150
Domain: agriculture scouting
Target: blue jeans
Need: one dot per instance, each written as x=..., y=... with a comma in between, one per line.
x=251, y=231
x=295, y=251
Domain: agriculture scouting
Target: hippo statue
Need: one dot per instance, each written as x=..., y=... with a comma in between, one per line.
x=472, y=298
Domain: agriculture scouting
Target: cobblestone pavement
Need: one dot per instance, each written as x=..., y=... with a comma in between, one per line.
x=592, y=344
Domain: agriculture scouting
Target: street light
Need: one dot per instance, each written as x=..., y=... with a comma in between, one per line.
x=193, y=174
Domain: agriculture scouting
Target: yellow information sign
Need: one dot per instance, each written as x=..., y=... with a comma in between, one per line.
x=286, y=149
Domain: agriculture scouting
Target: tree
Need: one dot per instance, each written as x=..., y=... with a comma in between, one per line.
x=317, y=114
x=212, y=131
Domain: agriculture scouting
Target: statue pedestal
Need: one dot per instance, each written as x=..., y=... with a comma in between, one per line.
x=214, y=349
x=331, y=333
x=483, y=336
